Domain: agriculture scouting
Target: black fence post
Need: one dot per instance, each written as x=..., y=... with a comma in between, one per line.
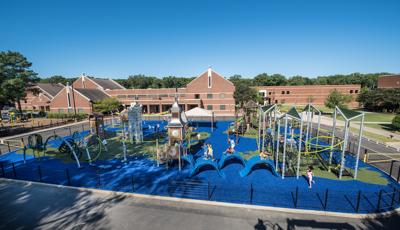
x=68, y=177
x=70, y=132
x=83, y=127
x=398, y=175
x=98, y=179
x=133, y=183
x=391, y=167
x=378, y=206
x=40, y=173
x=14, y=171
x=296, y=197
x=2, y=170
x=326, y=199
x=208, y=191
x=251, y=193
x=393, y=196
x=8, y=145
x=54, y=132
x=358, y=201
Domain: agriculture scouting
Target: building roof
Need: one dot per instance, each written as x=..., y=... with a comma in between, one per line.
x=107, y=83
x=94, y=95
x=50, y=88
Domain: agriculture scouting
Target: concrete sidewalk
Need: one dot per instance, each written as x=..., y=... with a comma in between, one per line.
x=36, y=206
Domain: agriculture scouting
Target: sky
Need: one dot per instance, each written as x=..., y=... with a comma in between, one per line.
x=184, y=37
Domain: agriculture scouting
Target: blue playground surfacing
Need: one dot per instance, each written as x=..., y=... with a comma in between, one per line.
x=235, y=181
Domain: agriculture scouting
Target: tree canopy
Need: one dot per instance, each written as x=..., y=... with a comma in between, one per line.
x=336, y=98
x=380, y=99
x=107, y=105
x=15, y=77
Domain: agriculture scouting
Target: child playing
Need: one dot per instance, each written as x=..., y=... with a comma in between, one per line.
x=310, y=176
x=210, y=152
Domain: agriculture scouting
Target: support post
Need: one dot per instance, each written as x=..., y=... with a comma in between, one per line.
x=284, y=148
x=359, y=147
x=259, y=128
x=277, y=146
x=343, y=161
x=263, y=133
x=299, y=150
x=179, y=156
x=333, y=138
x=318, y=127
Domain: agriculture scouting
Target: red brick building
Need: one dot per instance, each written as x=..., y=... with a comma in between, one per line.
x=301, y=95
x=80, y=100
x=209, y=90
x=389, y=81
x=40, y=101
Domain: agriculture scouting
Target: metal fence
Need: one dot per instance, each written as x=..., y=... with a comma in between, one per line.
x=326, y=200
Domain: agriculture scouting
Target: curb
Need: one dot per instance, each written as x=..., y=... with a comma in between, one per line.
x=210, y=203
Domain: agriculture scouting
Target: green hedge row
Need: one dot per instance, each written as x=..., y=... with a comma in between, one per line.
x=78, y=116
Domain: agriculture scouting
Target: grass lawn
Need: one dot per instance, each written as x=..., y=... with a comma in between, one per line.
x=373, y=117
x=285, y=107
x=364, y=175
x=375, y=136
x=386, y=127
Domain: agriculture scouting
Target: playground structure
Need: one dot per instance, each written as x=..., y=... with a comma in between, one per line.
x=295, y=137
x=135, y=123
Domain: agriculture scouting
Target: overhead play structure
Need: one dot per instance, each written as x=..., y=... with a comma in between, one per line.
x=293, y=132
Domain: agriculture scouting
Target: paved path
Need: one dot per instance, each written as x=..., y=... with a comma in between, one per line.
x=329, y=121
x=35, y=206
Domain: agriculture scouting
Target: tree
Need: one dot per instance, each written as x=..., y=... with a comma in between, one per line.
x=299, y=80
x=336, y=98
x=273, y=80
x=107, y=105
x=56, y=79
x=15, y=77
x=243, y=92
x=396, y=122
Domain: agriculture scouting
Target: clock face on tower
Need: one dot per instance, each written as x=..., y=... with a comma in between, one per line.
x=175, y=133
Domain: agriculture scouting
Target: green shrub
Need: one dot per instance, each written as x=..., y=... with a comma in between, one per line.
x=78, y=116
x=396, y=122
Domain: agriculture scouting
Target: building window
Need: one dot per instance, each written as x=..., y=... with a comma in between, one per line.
x=283, y=92
x=209, y=96
x=222, y=95
x=222, y=107
x=287, y=92
x=70, y=110
x=80, y=110
x=209, y=81
x=209, y=107
x=351, y=91
x=60, y=110
x=270, y=93
x=356, y=91
x=121, y=96
x=197, y=96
